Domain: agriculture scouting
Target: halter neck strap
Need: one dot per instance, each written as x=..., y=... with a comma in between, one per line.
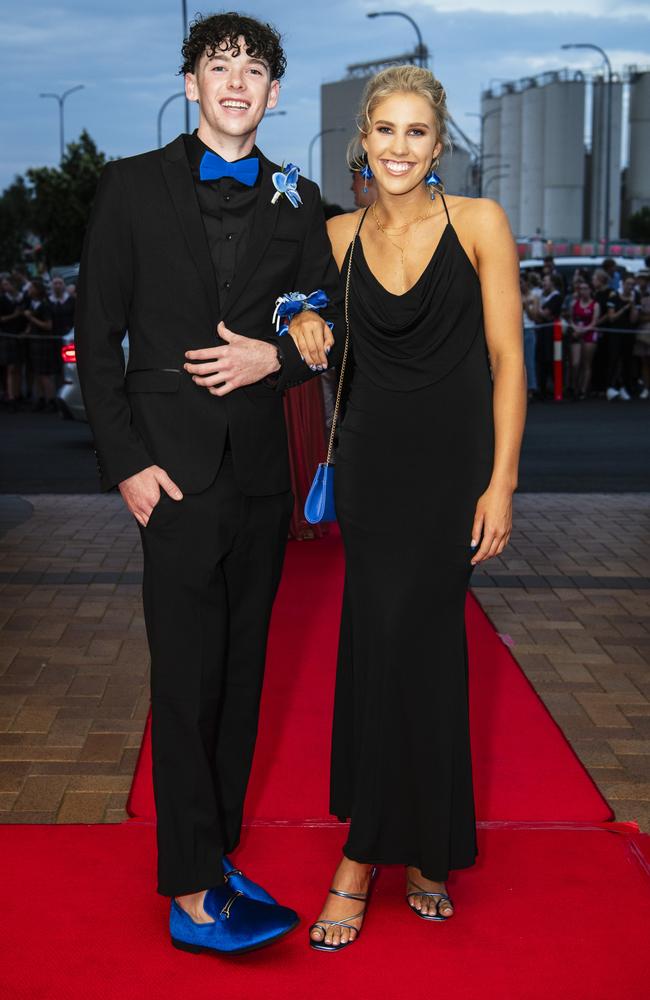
x=445, y=204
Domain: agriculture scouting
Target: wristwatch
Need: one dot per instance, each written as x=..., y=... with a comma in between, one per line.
x=273, y=379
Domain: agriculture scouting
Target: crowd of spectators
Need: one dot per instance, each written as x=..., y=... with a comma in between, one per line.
x=604, y=315
x=605, y=322
x=35, y=315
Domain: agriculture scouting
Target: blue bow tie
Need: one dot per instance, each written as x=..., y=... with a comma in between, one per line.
x=213, y=167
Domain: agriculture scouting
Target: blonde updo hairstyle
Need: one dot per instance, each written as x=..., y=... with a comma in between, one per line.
x=399, y=80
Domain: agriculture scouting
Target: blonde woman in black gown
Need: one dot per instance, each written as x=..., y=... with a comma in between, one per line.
x=426, y=465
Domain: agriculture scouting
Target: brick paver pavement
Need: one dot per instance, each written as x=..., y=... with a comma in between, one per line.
x=570, y=595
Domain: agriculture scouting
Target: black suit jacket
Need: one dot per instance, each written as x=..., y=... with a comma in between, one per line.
x=146, y=267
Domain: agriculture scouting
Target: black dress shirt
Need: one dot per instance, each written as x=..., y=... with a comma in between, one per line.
x=227, y=208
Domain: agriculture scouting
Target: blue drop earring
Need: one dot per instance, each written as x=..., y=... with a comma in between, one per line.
x=367, y=175
x=433, y=180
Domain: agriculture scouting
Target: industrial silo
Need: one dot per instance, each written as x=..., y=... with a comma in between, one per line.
x=455, y=170
x=339, y=106
x=510, y=153
x=531, y=218
x=638, y=171
x=563, y=157
x=597, y=225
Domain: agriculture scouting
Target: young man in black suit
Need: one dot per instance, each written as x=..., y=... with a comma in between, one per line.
x=188, y=248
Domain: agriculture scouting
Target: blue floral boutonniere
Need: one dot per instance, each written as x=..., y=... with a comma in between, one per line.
x=286, y=183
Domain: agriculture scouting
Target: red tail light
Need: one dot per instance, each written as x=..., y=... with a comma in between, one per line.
x=69, y=354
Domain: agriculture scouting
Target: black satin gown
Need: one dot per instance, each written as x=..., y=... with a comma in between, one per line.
x=415, y=453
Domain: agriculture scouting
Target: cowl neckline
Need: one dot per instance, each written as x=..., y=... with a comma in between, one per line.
x=407, y=341
x=432, y=259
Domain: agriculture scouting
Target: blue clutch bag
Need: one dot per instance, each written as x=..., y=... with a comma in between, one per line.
x=319, y=505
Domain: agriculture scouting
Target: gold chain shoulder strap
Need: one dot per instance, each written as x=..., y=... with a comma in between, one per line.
x=339, y=391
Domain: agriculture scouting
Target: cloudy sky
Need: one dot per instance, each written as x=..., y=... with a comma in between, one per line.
x=126, y=54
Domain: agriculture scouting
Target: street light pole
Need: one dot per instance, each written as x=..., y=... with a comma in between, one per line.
x=61, y=101
x=497, y=177
x=187, y=103
x=608, y=137
x=313, y=142
x=482, y=116
x=422, y=52
x=169, y=100
x=497, y=166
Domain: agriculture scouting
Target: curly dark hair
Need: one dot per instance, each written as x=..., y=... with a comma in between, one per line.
x=221, y=31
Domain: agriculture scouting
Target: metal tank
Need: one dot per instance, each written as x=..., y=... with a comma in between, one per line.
x=510, y=162
x=455, y=170
x=531, y=218
x=340, y=103
x=563, y=158
x=638, y=171
x=597, y=222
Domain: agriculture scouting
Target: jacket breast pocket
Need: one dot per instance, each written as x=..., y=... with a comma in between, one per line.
x=153, y=380
x=285, y=249
x=280, y=265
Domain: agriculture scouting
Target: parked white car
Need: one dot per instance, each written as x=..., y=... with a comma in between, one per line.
x=567, y=265
x=69, y=398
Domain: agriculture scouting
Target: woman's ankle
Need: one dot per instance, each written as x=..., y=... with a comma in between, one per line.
x=358, y=867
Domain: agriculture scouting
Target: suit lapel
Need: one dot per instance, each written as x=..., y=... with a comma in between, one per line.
x=178, y=177
x=259, y=236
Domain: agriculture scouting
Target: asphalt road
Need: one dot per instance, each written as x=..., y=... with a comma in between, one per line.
x=593, y=446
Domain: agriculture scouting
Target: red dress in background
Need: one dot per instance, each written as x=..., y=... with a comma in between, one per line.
x=304, y=414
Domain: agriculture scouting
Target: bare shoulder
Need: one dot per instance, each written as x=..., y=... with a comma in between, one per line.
x=341, y=229
x=483, y=228
x=476, y=214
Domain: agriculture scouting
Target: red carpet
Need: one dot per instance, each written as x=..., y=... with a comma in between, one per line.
x=523, y=766
x=544, y=914
x=558, y=904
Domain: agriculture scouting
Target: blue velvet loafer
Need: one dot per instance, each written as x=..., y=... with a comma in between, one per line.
x=240, y=924
x=238, y=882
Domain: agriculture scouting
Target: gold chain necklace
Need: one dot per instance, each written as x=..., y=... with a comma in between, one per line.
x=399, y=229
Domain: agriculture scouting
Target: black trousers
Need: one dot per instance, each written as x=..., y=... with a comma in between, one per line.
x=544, y=360
x=212, y=565
x=620, y=360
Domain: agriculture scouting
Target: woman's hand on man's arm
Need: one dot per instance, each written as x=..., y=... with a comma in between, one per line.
x=312, y=336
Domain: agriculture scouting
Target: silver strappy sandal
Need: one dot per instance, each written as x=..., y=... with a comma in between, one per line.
x=362, y=897
x=442, y=897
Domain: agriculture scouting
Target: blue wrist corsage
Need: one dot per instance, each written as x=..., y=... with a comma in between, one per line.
x=286, y=182
x=289, y=305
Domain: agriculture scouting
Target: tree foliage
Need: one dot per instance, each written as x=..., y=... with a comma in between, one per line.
x=15, y=221
x=53, y=203
x=62, y=198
